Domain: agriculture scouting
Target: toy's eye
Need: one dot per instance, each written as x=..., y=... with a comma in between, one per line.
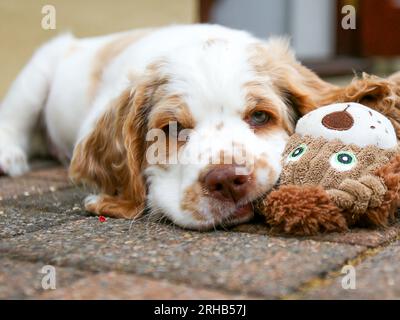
x=297, y=153
x=343, y=161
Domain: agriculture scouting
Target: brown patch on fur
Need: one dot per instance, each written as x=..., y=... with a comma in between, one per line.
x=298, y=86
x=256, y=101
x=262, y=164
x=169, y=110
x=219, y=126
x=301, y=210
x=107, y=53
x=111, y=157
x=191, y=200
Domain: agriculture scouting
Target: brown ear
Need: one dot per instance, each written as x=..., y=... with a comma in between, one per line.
x=111, y=157
x=380, y=94
x=303, y=89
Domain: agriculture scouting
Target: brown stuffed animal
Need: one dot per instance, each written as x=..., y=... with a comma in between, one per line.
x=341, y=168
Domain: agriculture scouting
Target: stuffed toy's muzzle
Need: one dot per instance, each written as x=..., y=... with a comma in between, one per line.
x=340, y=169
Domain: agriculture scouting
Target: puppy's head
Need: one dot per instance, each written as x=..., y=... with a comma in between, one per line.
x=200, y=135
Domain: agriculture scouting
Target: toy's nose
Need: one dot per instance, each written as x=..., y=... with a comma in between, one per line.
x=224, y=184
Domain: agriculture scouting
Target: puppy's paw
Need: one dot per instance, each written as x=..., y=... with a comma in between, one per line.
x=91, y=202
x=112, y=206
x=13, y=160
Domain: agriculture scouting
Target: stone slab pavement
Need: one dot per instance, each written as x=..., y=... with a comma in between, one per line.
x=42, y=223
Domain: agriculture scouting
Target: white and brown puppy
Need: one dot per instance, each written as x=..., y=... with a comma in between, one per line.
x=102, y=100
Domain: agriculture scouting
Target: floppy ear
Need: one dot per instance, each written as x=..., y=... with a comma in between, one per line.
x=302, y=89
x=380, y=94
x=111, y=157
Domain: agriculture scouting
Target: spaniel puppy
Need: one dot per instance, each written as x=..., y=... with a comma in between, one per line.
x=189, y=121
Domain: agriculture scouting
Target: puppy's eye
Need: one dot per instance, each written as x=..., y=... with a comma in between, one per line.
x=259, y=118
x=173, y=128
x=343, y=161
x=297, y=153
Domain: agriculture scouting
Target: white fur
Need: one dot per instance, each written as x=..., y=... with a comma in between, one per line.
x=209, y=76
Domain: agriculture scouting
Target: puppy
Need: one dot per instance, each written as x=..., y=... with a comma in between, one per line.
x=188, y=121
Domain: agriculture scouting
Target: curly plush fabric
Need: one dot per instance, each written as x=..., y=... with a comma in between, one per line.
x=302, y=210
x=314, y=167
x=386, y=212
x=314, y=197
x=370, y=201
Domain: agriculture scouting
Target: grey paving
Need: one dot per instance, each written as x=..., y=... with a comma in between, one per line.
x=236, y=262
x=377, y=277
x=37, y=212
x=42, y=222
x=23, y=279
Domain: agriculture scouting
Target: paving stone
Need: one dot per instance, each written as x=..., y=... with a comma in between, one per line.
x=365, y=237
x=377, y=277
x=38, y=212
x=43, y=163
x=16, y=222
x=22, y=279
x=16, y=188
x=238, y=262
x=114, y=285
x=54, y=174
x=58, y=201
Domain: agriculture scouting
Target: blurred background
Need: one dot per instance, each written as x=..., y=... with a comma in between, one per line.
x=315, y=28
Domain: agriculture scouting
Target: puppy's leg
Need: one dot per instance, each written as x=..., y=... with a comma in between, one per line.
x=112, y=207
x=21, y=107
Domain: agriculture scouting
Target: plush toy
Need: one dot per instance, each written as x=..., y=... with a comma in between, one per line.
x=341, y=168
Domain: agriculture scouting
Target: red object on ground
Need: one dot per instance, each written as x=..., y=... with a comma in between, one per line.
x=102, y=219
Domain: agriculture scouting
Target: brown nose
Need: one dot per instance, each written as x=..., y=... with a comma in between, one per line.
x=224, y=184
